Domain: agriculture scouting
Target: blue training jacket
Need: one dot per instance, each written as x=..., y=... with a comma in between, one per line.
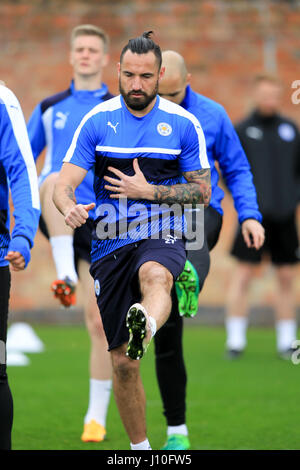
x=17, y=172
x=223, y=146
x=53, y=123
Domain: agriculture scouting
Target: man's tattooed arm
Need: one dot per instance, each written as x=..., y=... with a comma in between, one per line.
x=197, y=190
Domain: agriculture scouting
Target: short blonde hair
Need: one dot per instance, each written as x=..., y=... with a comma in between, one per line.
x=90, y=30
x=267, y=77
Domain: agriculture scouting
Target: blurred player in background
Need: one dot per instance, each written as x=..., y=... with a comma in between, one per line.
x=52, y=125
x=272, y=144
x=17, y=173
x=223, y=146
x=139, y=145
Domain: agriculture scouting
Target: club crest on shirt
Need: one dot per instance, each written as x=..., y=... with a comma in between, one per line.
x=254, y=133
x=97, y=287
x=286, y=132
x=164, y=129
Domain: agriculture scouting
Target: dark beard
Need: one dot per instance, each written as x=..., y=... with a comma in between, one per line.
x=138, y=104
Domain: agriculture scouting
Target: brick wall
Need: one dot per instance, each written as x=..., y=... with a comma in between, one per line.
x=223, y=43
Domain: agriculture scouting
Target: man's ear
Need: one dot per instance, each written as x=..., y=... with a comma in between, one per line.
x=188, y=78
x=161, y=72
x=119, y=68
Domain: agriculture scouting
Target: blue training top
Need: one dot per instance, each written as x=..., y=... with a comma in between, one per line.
x=223, y=146
x=17, y=171
x=53, y=123
x=167, y=141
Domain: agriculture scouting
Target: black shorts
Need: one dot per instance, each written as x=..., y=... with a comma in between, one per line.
x=281, y=243
x=200, y=258
x=116, y=281
x=82, y=240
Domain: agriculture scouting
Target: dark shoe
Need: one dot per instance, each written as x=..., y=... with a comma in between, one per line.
x=233, y=353
x=286, y=354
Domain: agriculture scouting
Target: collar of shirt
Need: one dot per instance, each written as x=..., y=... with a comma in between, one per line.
x=264, y=120
x=89, y=95
x=187, y=99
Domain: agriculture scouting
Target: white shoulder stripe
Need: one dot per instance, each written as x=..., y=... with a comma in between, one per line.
x=109, y=105
x=173, y=108
x=16, y=117
x=47, y=121
x=104, y=148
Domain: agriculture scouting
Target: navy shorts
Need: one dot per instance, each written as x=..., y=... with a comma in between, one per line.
x=281, y=243
x=116, y=281
x=82, y=240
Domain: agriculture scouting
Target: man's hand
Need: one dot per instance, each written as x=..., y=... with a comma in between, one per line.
x=78, y=215
x=253, y=233
x=131, y=187
x=16, y=260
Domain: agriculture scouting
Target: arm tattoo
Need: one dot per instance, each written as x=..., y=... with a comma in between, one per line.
x=197, y=190
x=70, y=193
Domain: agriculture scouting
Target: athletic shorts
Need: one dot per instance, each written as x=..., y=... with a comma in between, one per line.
x=116, y=281
x=281, y=243
x=201, y=258
x=82, y=240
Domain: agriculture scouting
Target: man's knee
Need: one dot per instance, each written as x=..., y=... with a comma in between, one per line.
x=126, y=369
x=48, y=184
x=50, y=179
x=243, y=275
x=152, y=273
x=285, y=275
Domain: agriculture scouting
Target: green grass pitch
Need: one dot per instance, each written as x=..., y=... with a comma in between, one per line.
x=250, y=403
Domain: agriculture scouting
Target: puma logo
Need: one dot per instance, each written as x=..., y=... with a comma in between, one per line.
x=114, y=127
x=61, y=119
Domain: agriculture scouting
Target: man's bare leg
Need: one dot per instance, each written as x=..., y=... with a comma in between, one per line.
x=61, y=236
x=129, y=394
x=100, y=360
x=286, y=323
x=237, y=307
x=155, y=285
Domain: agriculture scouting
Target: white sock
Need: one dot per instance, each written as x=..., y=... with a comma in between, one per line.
x=153, y=325
x=63, y=255
x=286, y=333
x=236, y=328
x=99, y=400
x=181, y=429
x=144, y=445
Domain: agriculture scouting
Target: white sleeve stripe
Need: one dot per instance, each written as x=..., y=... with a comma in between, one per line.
x=110, y=105
x=172, y=108
x=16, y=117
